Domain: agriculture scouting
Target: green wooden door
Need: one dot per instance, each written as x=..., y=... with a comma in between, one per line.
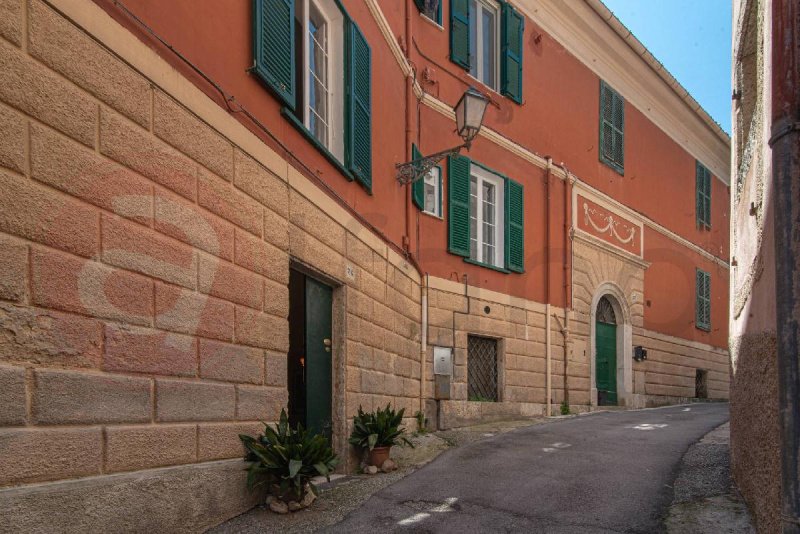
x=319, y=392
x=606, y=365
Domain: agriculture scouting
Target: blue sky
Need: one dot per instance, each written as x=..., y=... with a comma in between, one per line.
x=692, y=38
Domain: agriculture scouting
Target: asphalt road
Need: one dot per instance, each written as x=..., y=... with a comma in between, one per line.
x=599, y=473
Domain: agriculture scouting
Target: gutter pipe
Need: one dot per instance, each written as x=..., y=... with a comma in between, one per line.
x=785, y=144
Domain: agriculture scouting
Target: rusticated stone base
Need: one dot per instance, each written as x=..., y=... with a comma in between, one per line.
x=188, y=498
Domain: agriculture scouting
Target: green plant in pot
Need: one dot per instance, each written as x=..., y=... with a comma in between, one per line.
x=287, y=459
x=377, y=432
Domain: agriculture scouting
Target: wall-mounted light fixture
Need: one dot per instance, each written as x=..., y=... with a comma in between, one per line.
x=469, y=118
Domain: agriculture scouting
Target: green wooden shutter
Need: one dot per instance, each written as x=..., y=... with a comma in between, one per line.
x=513, y=28
x=708, y=198
x=612, y=128
x=515, y=226
x=418, y=187
x=358, y=140
x=703, y=300
x=459, y=32
x=707, y=294
x=458, y=177
x=273, y=47
x=619, y=130
x=699, y=204
x=703, y=195
x=698, y=299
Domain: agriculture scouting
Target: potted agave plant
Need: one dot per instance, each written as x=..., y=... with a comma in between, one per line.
x=378, y=432
x=287, y=459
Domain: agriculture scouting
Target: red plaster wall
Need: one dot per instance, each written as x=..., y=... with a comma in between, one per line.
x=669, y=291
x=559, y=117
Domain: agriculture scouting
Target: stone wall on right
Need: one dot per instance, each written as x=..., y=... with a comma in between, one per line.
x=755, y=442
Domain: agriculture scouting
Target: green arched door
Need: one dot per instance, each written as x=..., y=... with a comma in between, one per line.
x=606, y=359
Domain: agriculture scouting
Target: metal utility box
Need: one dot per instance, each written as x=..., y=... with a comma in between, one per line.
x=442, y=371
x=442, y=361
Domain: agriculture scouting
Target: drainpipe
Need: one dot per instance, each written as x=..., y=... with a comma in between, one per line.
x=407, y=237
x=567, y=260
x=423, y=352
x=785, y=144
x=548, y=387
x=548, y=378
x=548, y=174
x=409, y=129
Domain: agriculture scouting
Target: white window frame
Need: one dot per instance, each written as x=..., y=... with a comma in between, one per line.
x=334, y=23
x=434, y=178
x=308, y=75
x=482, y=175
x=478, y=59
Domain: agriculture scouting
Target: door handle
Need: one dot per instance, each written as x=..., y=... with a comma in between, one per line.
x=327, y=343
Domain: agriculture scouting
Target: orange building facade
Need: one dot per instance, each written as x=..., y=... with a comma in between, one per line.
x=203, y=225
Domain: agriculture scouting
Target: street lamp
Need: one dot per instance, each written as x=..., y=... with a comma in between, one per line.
x=469, y=114
x=469, y=118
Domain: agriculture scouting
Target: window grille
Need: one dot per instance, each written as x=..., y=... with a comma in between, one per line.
x=605, y=312
x=481, y=369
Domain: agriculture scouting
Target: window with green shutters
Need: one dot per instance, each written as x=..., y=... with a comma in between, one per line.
x=315, y=59
x=459, y=32
x=515, y=227
x=458, y=177
x=612, y=128
x=703, y=196
x=513, y=27
x=703, y=300
x=486, y=39
x=273, y=46
x=426, y=192
x=358, y=68
x=486, y=216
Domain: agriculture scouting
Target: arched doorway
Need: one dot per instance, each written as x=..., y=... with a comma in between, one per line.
x=606, y=353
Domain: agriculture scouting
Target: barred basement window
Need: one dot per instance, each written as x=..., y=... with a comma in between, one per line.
x=481, y=369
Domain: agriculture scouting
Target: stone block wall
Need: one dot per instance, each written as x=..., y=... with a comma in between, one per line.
x=146, y=240
x=756, y=446
x=144, y=260
x=668, y=374
x=455, y=312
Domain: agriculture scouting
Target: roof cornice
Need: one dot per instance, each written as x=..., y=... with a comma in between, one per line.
x=591, y=33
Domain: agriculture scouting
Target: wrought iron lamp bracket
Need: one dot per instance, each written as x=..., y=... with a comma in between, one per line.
x=417, y=169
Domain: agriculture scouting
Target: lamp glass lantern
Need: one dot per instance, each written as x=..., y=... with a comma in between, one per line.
x=469, y=114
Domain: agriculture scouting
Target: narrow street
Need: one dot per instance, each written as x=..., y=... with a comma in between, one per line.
x=608, y=472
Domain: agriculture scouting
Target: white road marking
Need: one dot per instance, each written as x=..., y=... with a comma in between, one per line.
x=648, y=426
x=416, y=518
x=446, y=506
x=556, y=446
x=686, y=410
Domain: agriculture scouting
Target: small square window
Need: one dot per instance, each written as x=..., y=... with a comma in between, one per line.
x=435, y=16
x=433, y=192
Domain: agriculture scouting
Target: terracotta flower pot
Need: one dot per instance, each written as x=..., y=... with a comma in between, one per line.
x=378, y=455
